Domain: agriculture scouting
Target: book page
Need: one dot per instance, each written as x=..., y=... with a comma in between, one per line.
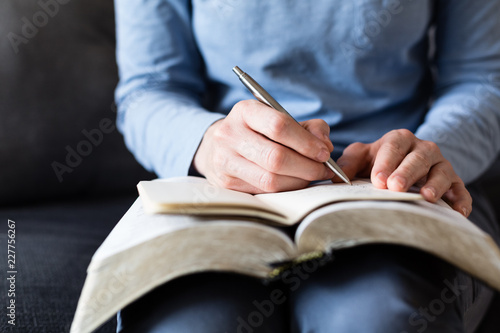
x=144, y=251
x=429, y=227
x=423, y=208
x=194, y=195
x=137, y=227
x=295, y=205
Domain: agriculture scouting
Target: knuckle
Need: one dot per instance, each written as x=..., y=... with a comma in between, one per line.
x=276, y=124
x=226, y=181
x=275, y=158
x=268, y=182
x=399, y=135
x=222, y=132
x=395, y=149
x=356, y=146
x=421, y=160
x=232, y=167
x=443, y=174
x=430, y=146
x=383, y=166
x=220, y=159
x=244, y=105
x=448, y=168
x=320, y=124
x=249, y=150
x=404, y=133
x=244, y=109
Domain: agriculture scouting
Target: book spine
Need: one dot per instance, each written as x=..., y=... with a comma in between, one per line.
x=280, y=268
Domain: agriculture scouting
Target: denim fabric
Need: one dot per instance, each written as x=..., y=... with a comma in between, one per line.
x=374, y=288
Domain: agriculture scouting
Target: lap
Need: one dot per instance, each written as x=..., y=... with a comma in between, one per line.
x=366, y=289
x=380, y=289
x=205, y=302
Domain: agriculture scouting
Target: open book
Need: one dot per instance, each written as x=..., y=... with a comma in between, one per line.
x=185, y=225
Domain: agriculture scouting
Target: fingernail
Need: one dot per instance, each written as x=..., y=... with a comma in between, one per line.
x=400, y=181
x=323, y=155
x=382, y=178
x=465, y=211
x=431, y=191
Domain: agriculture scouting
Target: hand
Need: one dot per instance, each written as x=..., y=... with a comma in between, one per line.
x=399, y=160
x=257, y=149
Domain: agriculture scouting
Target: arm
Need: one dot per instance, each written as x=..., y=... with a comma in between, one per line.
x=158, y=97
x=160, y=114
x=460, y=136
x=464, y=120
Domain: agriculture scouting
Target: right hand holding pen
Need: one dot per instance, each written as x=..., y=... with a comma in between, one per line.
x=256, y=149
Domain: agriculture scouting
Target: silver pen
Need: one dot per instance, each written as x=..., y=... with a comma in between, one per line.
x=263, y=96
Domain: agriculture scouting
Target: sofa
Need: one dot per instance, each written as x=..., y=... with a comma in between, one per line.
x=66, y=176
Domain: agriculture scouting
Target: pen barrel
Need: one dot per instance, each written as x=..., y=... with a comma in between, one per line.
x=260, y=93
x=263, y=96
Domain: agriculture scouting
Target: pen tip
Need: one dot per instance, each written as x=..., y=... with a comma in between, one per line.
x=346, y=180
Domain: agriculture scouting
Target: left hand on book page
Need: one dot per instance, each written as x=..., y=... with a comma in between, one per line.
x=399, y=160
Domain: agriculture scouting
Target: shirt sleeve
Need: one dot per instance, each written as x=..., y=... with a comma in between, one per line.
x=161, y=84
x=464, y=119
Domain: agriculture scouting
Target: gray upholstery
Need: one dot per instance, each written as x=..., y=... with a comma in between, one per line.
x=56, y=85
x=56, y=91
x=54, y=244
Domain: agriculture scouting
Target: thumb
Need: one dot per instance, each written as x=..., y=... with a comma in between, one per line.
x=355, y=160
x=320, y=129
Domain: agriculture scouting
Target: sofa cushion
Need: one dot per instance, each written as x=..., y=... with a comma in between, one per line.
x=57, y=79
x=54, y=243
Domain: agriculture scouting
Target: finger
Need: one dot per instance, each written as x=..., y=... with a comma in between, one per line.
x=281, y=160
x=228, y=171
x=355, y=161
x=416, y=165
x=393, y=148
x=283, y=129
x=439, y=181
x=320, y=129
x=459, y=198
x=236, y=184
x=242, y=171
x=237, y=173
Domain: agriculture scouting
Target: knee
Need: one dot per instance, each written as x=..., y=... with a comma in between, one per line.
x=209, y=302
x=376, y=292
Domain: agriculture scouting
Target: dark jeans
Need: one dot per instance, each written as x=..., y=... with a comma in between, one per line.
x=374, y=288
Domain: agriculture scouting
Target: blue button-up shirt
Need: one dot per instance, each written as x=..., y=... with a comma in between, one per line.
x=364, y=66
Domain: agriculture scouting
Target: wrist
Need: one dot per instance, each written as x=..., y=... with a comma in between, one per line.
x=201, y=156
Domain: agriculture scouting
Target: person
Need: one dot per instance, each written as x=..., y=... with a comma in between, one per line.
x=408, y=92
